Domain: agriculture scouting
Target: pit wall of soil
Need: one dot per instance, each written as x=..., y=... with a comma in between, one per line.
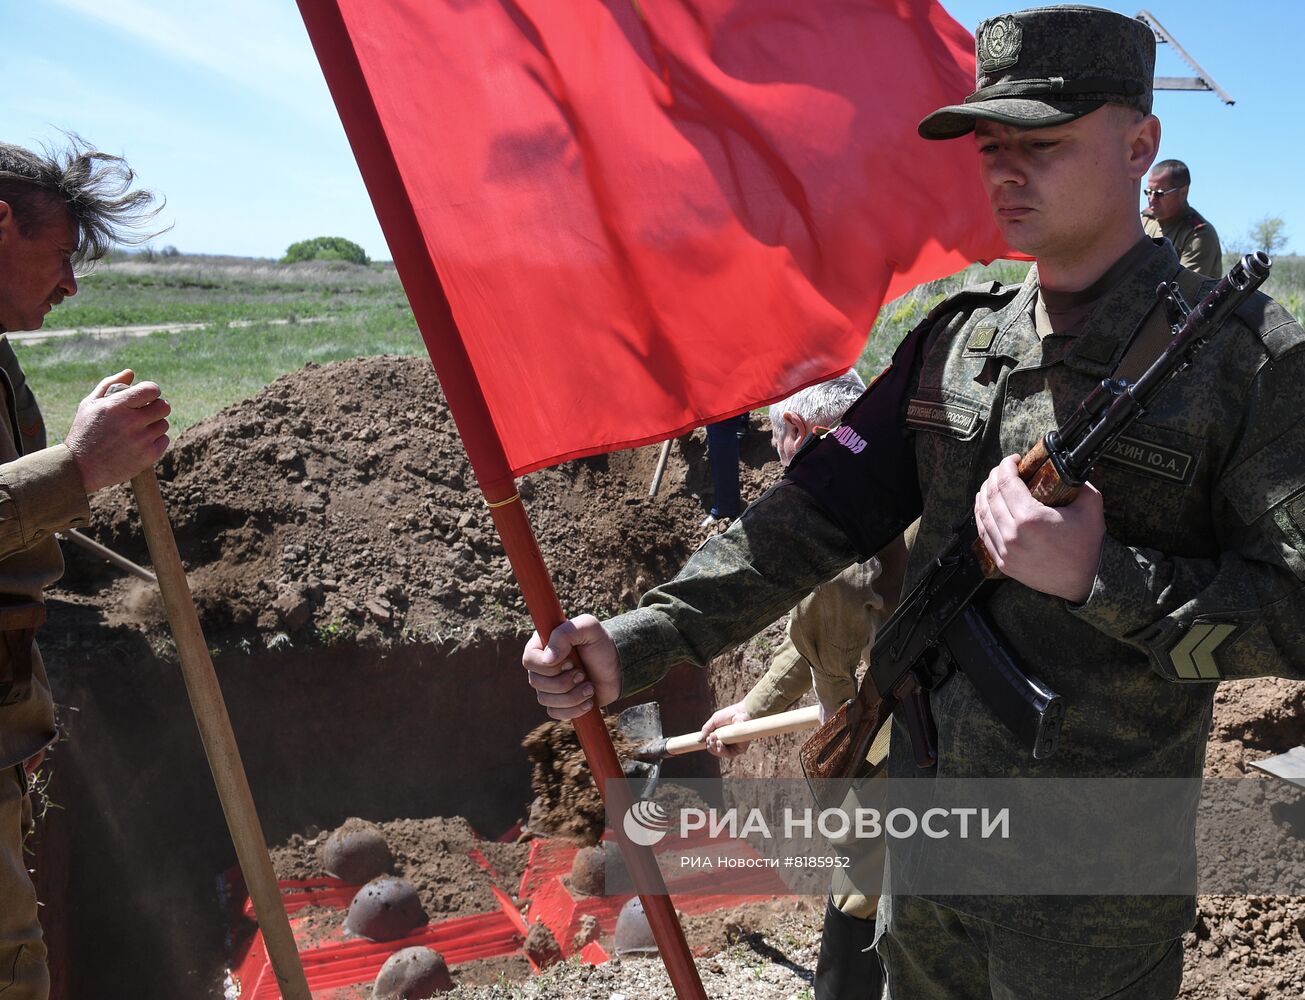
x=131, y=858
x=332, y=517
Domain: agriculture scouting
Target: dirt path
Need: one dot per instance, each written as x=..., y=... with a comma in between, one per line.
x=144, y=330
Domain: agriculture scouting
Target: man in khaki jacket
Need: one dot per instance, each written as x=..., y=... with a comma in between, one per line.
x=57, y=211
x=1168, y=214
x=829, y=634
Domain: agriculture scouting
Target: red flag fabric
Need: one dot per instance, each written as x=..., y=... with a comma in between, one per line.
x=646, y=215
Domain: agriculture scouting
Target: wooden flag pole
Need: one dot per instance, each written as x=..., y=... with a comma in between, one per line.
x=546, y=611
x=460, y=381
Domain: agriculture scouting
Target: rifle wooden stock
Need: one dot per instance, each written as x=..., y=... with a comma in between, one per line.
x=1044, y=481
x=831, y=752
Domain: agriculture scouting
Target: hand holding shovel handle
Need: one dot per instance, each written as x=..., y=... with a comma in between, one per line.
x=797, y=721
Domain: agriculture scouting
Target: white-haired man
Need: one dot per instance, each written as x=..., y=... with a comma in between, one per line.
x=829, y=635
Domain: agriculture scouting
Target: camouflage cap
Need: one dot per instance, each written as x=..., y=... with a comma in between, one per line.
x=1051, y=65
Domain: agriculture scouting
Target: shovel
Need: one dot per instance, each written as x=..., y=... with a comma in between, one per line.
x=642, y=724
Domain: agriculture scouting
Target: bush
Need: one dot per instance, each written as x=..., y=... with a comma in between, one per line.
x=325, y=248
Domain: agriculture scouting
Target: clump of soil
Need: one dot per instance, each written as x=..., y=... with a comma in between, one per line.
x=542, y=947
x=588, y=931
x=338, y=503
x=567, y=803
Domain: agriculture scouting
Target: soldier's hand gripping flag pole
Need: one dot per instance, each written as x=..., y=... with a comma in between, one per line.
x=618, y=221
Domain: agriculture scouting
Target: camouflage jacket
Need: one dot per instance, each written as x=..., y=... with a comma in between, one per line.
x=1194, y=239
x=1200, y=576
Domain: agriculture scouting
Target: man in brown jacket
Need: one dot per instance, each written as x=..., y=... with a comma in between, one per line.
x=830, y=632
x=1168, y=214
x=57, y=211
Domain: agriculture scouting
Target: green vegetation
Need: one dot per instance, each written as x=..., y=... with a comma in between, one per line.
x=260, y=320
x=325, y=248
x=254, y=320
x=899, y=317
x=1268, y=234
x=335, y=631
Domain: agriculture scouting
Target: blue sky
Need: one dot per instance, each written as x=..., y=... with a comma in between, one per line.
x=222, y=108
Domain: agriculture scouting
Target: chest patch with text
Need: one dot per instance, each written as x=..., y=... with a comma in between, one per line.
x=1150, y=458
x=949, y=417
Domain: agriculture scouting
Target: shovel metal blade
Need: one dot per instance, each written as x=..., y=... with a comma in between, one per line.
x=641, y=725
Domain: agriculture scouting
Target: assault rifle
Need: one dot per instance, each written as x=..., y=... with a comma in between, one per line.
x=940, y=627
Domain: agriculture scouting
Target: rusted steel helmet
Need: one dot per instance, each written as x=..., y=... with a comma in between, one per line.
x=384, y=909
x=356, y=852
x=412, y=974
x=633, y=933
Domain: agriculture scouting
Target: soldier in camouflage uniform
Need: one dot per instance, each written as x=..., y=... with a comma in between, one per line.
x=55, y=211
x=1168, y=214
x=1183, y=563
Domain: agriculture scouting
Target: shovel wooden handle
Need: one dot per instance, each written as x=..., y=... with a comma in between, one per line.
x=796, y=721
x=219, y=740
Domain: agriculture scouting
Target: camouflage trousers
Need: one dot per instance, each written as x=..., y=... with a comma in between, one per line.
x=931, y=952
x=23, y=973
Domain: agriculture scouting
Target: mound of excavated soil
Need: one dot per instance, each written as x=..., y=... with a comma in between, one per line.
x=339, y=503
x=432, y=855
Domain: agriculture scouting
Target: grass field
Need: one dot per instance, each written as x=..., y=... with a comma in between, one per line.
x=264, y=319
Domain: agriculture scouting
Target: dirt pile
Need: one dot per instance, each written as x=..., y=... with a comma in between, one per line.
x=338, y=503
x=1249, y=946
x=432, y=855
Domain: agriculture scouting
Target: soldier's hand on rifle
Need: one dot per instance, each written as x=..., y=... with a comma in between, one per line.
x=115, y=436
x=1054, y=550
x=578, y=669
x=726, y=716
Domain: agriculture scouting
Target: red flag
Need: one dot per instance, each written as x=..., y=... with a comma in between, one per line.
x=649, y=215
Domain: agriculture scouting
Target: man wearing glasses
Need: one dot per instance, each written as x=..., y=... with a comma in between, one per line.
x=1167, y=213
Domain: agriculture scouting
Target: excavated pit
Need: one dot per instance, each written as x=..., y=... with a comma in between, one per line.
x=367, y=636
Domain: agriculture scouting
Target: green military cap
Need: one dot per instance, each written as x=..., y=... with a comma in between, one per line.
x=1049, y=66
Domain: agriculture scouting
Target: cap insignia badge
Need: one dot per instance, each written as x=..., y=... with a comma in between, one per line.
x=999, y=44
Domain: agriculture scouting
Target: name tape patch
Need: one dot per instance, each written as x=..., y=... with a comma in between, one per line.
x=950, y=417
x=1150, y=458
